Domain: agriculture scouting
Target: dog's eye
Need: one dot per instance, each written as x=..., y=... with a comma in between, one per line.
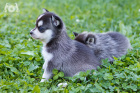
x=41, y=29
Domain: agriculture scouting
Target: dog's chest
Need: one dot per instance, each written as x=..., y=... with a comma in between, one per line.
x=47, y=57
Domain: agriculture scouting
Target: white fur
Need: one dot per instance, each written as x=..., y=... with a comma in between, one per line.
x=56, y=22
x=40, y=16
x=44, y=10
x=44, y=37
x=47, y=57
x=45, y=76
x=90, y=41
x=40, y=23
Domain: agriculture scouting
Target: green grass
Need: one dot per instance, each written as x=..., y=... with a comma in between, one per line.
x=20, y=57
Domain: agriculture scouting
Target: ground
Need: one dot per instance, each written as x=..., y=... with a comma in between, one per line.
x=20, y=57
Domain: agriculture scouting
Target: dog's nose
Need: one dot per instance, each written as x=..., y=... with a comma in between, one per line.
x=31, y=32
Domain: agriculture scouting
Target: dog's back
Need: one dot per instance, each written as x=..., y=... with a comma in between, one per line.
x=105, y=45
x=123, y=43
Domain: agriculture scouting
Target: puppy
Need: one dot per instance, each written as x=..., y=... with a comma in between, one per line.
x=105, y=45
x=59, y=51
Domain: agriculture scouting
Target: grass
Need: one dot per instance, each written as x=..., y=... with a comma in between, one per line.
x=20, y=57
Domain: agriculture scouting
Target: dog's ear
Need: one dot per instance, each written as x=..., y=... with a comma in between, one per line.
x=75, y=34
x=90, y=39
x=45, y=10
x=56, y=21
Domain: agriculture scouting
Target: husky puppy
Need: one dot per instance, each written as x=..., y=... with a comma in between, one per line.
x=59, y=51
x=105, y=45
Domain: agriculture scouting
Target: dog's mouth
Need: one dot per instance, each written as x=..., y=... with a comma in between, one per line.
x=35, y=37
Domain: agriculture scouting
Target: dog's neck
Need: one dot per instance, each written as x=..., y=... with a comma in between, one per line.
x=62, y=40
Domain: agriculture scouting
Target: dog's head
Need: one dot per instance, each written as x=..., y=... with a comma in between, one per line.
x=85, y=38
x=48, y=26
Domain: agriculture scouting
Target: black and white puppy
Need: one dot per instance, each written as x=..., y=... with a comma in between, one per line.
x=59, y=51
x=105, y=45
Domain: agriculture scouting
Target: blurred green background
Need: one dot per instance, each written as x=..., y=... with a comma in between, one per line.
x=89, y=15
x=20, y=58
